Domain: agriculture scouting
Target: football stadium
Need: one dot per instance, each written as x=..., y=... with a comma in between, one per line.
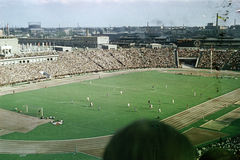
x=85, y=97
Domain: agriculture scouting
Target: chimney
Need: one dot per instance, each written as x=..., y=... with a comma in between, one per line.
x=7, y=29
x=147, y=27
x=87, y=32
x=217, y=25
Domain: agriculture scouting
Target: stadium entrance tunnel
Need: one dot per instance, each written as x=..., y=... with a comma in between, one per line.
x=185, y=62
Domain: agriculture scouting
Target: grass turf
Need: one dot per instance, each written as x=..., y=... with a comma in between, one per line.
x=83, y=121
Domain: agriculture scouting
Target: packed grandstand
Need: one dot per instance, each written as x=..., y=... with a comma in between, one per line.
x=80, y=62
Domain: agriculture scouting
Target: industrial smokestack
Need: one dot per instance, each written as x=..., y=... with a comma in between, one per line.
x=7, y=29
x=87, y=32
x=147, y=27
x=217, y=24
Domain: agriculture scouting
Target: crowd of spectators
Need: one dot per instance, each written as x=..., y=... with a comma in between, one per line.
x=78, y=62
x=158, y=58
x=18, y=73
x=219, y=58
x=234, y=62
x=188, y=53
x=104, y=59
x=130, y=58
x=231, y=144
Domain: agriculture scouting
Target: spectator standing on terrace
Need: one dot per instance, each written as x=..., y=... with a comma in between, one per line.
x=149, y=140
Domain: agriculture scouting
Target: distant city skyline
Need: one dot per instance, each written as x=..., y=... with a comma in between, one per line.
x=117, y=13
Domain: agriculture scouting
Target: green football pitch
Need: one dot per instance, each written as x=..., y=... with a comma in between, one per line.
x=83, y=121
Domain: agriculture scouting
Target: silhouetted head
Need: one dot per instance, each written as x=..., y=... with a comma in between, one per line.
x=218, y=154
x=149, y=140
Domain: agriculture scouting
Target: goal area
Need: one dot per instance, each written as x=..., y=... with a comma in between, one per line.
x=32, y=110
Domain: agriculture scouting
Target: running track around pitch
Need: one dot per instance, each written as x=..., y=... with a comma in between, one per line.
x=178, y=121
x=194, y=114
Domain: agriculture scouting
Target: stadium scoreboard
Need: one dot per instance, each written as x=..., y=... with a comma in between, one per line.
x=188, y=43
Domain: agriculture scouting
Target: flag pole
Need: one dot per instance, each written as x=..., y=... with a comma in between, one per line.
x=211, y=59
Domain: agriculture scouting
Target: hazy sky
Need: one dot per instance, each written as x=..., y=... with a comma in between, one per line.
x=105, y=13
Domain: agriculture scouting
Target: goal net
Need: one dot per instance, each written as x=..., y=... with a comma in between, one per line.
x=32, y=110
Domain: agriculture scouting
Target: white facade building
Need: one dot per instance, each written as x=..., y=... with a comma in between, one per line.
x=8, y=46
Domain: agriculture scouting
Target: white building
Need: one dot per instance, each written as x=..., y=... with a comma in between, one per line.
x=155, y=45
x=90, y=41
x=76, y=41
x=62, y=48
x=8, y=46
x=109, y=46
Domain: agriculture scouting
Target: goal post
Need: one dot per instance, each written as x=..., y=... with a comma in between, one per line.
x=32, y=110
